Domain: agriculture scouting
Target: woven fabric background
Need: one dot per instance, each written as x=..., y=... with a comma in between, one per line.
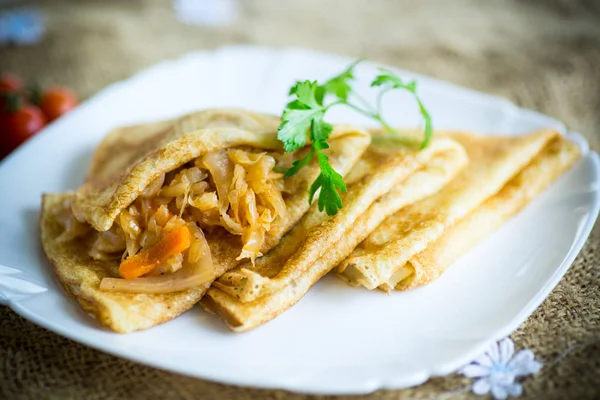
x=541, y=54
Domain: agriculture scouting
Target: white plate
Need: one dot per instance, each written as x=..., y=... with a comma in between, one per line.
x=337, y=339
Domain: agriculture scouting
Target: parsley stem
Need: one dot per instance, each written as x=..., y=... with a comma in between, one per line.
x=380, y=98
x=385, y=125
x=364, y=102
x=360, y=110
x=335, y=103
x=373, y=115
x=305, y=115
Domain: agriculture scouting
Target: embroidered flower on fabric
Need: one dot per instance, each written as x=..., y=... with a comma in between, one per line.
x=497, y=370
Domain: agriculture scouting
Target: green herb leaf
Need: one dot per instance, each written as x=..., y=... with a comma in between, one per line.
x=299, y=164
x=303, y=118
x=329, y=182
x=389, y=80
x=299, y=115
x=340, y=85
x=319, y=129
x=292, y=131
x=306, y=93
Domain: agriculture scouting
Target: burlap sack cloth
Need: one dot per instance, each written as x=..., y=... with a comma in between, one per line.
x=540, y=54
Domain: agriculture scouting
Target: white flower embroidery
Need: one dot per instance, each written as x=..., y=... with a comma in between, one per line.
x=497, y=370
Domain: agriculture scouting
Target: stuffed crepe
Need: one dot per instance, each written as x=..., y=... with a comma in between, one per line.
x=167, y=207
x=386, y=179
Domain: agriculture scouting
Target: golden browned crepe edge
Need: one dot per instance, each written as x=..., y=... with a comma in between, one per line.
x=80, y=277
x=247, y=283
x=420, y=224
x=103, y=196
x=544, y=169
x=241, y=317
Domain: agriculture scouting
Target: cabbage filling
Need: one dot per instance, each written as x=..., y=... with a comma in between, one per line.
x=162, y=231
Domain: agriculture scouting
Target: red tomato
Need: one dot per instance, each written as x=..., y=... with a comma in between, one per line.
x=17, y=127
x=57, y=101
x=10, y=82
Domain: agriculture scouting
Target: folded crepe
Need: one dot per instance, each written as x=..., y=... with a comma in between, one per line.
x=388, y=177
x=169, y=206
x=415, y=245
x=429, y=264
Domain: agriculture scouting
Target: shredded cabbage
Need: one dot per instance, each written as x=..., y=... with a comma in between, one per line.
x=236, y=189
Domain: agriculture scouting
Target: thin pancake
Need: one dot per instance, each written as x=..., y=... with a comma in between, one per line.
x=80, y=276
x=444, y=160
x=381, y=171
x=129, y=159
x=428, y=265
x=125, y=162
x=377, y=261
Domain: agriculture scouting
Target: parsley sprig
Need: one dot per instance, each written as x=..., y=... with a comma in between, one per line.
x=306, y=112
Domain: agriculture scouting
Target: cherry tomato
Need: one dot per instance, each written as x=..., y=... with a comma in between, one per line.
x=57, y=101
x=17, y=127
x=10, y=82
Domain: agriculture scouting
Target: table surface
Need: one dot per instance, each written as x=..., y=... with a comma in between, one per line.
x=541, y=54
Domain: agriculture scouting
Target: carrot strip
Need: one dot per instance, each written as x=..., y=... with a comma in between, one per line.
x=172, y=243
